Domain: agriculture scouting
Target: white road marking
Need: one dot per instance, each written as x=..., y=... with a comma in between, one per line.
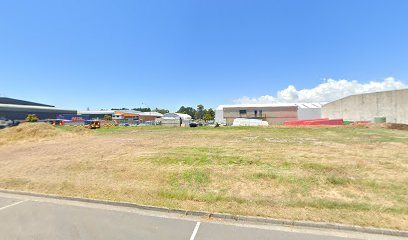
x=13, y=204
x=195, y=231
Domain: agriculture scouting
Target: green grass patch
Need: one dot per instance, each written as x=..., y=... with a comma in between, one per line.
x=286, y=165
x=317, y=167
x=184, y=194
x=331, y=204
x=190, y=180
x=266, y=175
x=204, y=156
x=336, y=180
x=196, y=177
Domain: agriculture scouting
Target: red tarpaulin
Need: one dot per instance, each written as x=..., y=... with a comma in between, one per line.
x=320, y=121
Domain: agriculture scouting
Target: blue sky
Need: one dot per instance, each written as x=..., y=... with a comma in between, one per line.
x=103, y=54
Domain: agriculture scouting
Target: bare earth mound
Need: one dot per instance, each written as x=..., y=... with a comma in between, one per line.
x=28, y=131
x=345, y=175
x=32, y=132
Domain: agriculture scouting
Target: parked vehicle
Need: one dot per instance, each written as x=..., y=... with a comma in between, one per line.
x=8, y=123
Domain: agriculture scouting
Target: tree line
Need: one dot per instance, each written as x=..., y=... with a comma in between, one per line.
x=144, y=109
x=197, y=113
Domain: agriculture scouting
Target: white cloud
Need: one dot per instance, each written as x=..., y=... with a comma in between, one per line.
x=325, y=92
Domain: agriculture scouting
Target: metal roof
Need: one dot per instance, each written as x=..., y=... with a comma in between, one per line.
x=184, y=116
x=177, y=115
x=127, y=111
x=96, y=112
x=6, y=100
x=153, y=114
x=265, y=105
x=32, y=107
x=310, y=105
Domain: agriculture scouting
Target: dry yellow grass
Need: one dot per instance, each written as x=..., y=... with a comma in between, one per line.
x=346, y=175
x=34, y=132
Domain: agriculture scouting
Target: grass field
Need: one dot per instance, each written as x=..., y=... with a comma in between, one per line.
x=346, y=175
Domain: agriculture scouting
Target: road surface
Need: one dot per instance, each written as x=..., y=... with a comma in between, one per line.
x=26, y=217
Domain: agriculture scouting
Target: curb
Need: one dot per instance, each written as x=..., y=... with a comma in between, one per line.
x=222, y=216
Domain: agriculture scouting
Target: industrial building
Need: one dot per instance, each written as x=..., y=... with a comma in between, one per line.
x=391, y=105
x=149, y=116
x=136, y=115
x=17, y=110
x=123, y=116
x=97, y=114
x=175, y=120
x=274, y=113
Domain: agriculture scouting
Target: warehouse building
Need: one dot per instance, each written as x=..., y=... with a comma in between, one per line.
x=274, y=113
x=17, y=110
x=132, y=115
x=391, y=105
x=149, y=116
x=122, y=115
x=97, y=114
x=175, y=120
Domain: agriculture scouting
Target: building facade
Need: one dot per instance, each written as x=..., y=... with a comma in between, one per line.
x=393, y=105
x=149, y=116
x=176, y=120
x=272, y=113
x=97, y=115
x=18, y=110
x=131, y=115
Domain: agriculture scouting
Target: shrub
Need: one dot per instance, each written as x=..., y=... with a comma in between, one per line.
x=107, y=118
x=31, y=118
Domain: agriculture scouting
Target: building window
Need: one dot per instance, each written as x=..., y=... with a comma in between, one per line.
x=260, y=113
x=256, y=113
x=241, y=112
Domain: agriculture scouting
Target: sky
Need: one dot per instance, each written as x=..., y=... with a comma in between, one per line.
x=109, y=54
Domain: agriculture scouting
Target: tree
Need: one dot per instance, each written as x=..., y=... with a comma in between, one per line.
x=187, y=110
x=107, y=117
x=200, y=111
x=200, y=107
x=31, y=118
x=209, y=114
x=162, y=111
x=140, y=109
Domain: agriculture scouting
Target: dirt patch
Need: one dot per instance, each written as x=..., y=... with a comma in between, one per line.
x=396, y=126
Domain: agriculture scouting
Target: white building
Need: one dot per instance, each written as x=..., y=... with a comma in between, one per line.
x=176, y=119
x=273, y=113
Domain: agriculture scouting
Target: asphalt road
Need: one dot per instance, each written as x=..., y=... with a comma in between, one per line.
x=26, y=217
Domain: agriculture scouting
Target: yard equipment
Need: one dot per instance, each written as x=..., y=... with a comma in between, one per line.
x=56, y=122
x=93, y=124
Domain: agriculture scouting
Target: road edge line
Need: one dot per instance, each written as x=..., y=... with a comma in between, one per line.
x=222, y=216
x=11, y=205
x=193, y=235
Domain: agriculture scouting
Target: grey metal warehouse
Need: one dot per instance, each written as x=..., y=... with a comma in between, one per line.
x=393, y=105
x=14, y=109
